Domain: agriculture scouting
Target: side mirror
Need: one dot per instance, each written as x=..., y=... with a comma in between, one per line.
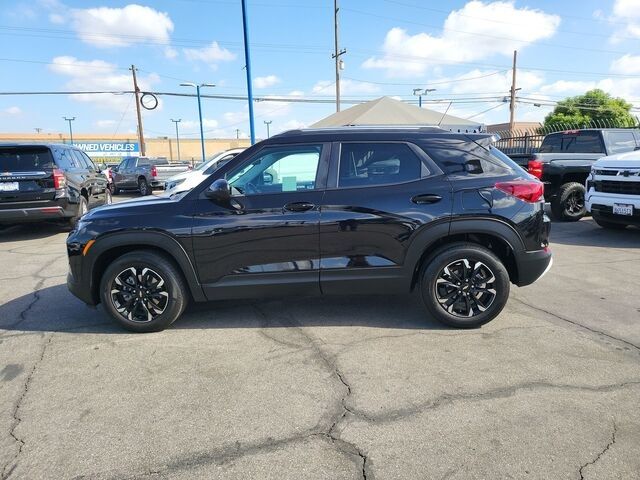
x=219, y=191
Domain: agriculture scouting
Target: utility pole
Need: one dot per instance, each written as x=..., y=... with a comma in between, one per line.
x=267, y=124
x=136, y=91
x=38, y=130
x=177, y=136
x=237, y=133
x=512, y=104
x=337, y=53
x=70, y=119
x=247, y=64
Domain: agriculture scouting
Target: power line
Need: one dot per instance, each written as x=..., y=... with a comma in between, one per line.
x=430, y=83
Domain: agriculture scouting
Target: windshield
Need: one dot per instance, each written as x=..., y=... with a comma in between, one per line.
x=25, y=159
x=209, y=162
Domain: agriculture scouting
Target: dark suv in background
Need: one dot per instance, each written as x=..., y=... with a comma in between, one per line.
x=327, y=211
x=48, y=182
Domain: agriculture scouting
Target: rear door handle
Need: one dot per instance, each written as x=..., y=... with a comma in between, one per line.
x=426, y=198
x=298, y=206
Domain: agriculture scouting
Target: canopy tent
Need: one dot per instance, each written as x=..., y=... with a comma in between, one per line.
x=389, y=111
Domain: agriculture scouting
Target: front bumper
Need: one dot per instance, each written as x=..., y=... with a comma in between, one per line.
x=533, y=265
x=600, y=205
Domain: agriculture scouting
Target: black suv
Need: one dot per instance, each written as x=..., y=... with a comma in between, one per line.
x=328, y=211
x=48, y=182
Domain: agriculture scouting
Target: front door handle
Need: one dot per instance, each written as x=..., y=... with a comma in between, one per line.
x=298, y=206
x=426, y=198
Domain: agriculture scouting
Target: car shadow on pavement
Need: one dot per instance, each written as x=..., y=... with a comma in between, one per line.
x=33, y=313
x=31, y=231
x=587, y=233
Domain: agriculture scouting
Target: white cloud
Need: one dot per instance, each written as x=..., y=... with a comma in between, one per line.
x=120, y=27
x=12, y=110
x=100, y=75
x=627, y=64
x=347, y=87
x=194, y=125
x=265, y=82
x=477, y=31
x=568, y=87
x=211, y=54
x=626, y=12
x=106, y=124
x=170, y=53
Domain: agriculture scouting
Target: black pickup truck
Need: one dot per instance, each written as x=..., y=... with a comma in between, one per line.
x=564, y=161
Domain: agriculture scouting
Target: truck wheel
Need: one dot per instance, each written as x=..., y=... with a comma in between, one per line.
x=464, y=285
x=143, y=186
x=568, y=205
x=609, y=225
x=143, y=291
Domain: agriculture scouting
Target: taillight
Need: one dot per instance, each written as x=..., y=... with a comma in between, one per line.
x=154, y=171
x=59, y=181
x=535, y=168
x=528, y=190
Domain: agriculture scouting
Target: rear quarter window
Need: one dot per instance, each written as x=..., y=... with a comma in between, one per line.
x=455, y=156
x=25, y=159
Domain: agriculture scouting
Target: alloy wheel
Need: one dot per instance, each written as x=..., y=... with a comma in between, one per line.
x=575, y=203
x=139, y=294
x=465, y=288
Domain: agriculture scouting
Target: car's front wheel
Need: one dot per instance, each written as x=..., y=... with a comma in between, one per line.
x=143, y=291
x=464, y=285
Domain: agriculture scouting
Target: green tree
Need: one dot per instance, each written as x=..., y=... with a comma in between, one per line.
x=594, y=108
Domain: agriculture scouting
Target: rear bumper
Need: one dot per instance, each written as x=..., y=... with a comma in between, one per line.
x=533, y=265
x=37, y=211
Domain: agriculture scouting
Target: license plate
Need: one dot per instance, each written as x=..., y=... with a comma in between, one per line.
x=622, y=209
x=9, y=186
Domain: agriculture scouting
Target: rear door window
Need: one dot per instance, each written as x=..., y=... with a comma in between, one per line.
x=25, y=159
x=572, y=142
x=371, y=163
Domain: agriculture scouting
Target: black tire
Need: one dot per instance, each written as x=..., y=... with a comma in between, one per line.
x=83, y=207
x=143, y=186
x=482, y=265
x=569, y=204
x=113, y=189
x=609, y=225
x=149, y=312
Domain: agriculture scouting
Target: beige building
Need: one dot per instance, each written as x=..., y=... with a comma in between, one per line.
x=156, y=147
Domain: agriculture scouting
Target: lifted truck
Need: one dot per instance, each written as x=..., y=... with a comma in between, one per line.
x=564, y=161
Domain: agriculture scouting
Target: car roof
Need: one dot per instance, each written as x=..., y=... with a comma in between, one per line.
x=370, y=132
x=633, y=155
x=575, y=130
x=40, y=145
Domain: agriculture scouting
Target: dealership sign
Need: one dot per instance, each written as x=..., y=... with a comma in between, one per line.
x=109, y=149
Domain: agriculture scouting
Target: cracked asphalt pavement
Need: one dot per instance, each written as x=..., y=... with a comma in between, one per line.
x=334, y=388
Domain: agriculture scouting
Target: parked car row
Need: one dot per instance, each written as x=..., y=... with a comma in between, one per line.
x=589, y=171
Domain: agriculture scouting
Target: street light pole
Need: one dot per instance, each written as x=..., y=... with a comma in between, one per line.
x=247, y=65
x=267, y=124
x=197, y=87
x=422, y=91
x=70, y=119
x=177, y=136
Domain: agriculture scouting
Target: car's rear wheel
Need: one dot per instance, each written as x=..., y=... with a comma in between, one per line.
x=464, y=285
x=83, y=207
x=569, y=205
x=143, y=291
x=143, y=186
x=609, y=225
x=113, y=189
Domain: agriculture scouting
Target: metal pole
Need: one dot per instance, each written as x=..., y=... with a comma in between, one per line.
x=267, y=124
x=420, y=100
x=177, y=136
x=247, y=61
x=70, y=129
x=336, y=53
x=512, y=105
x=201, y=126
x=136, y=91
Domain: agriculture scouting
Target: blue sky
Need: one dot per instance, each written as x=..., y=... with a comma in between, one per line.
x=461, y=48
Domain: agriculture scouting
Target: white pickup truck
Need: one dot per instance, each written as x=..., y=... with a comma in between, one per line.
x=144, y=173
x=613, y=190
